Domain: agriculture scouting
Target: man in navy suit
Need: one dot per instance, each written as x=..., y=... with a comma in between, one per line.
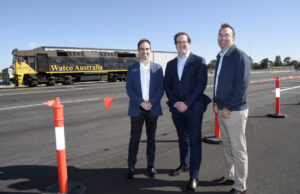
x=145, y=89
x=185, y=81
x=231, y=104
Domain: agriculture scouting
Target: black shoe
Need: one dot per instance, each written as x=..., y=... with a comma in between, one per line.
x=130, y=174
x=180, y=169
x=151, y=171
x=192, y=185
x=223, y=181
x=234, y=191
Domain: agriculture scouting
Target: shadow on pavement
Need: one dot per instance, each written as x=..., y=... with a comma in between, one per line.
x=258, y=116
x=31, y=178
x=161, y=141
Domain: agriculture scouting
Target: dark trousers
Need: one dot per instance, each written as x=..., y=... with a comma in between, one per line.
x=135, y=136
x=188, y=126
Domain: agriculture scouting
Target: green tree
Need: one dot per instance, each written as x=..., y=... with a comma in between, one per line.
x=255, y=66
x=287, y=61
x=298, y=65
x=251, y=62
x=264, y=63
x=212, y=65
x=278, y=61
x=294, y=63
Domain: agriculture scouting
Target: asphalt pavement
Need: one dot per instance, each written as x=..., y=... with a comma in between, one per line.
x=97, y=141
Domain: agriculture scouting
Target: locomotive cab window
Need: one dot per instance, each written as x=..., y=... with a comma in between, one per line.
x=126, y=55
x=21, y=59
x=31, y=62
x=61, y=54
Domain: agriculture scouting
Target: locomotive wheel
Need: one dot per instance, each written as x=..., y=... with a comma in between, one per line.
x=33, y=83
x=68, y=82
x=51, y=82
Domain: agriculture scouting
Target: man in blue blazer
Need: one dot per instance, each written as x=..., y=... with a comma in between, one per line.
x=145, y=89
x=232, y=78
x=185, y=81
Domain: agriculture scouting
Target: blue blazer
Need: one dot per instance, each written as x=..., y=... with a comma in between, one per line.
x=190, y=89
x=233, y=80
x=134, y=89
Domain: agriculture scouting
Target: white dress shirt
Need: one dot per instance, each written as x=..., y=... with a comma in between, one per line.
x=219, y=69
x=180, y=64
x=145, y=80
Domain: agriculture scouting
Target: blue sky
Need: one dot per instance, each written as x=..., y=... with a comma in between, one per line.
x=264, y=28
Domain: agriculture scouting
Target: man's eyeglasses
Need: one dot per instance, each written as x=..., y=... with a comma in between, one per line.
x=144, y=49
x=181, y=42
x=224, y=35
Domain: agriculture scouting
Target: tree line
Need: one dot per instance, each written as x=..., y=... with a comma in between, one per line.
x=265, y=63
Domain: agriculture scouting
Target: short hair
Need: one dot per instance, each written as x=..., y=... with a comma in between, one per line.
x=227, y=26
x=143, y=40
x=182, y=33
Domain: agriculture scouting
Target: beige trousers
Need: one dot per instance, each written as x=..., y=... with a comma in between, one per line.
x=235, y=149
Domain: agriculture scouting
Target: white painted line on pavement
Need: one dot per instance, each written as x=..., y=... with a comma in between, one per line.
x=92, y=99
x=40, y=92
x=286, y=89
x=292, y=92
x=32, y=105
x=61, y=90
x=64, y=102
x=25, y=106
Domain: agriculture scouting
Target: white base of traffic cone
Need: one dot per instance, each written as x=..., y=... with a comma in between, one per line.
x=278, y=116
x=75, y=187
x=212, y=139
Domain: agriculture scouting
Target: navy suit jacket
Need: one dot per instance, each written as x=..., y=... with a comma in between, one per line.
x=134, y=89
x=233, y=80
x=190, y=89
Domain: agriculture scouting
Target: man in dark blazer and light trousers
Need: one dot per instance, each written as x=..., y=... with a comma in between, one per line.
x=185, y=81
x=232, y=78
x=145, y=89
